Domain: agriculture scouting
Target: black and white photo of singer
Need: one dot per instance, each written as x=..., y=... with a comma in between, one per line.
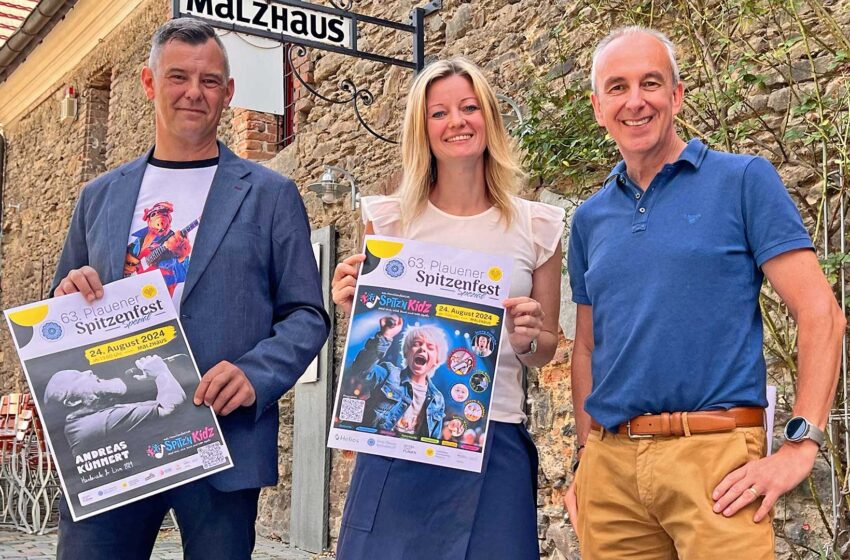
x=93, y=413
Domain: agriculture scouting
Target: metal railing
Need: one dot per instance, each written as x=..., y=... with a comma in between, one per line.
x=839, y=420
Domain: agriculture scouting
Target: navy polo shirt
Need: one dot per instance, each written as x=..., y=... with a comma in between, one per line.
x=673, y=276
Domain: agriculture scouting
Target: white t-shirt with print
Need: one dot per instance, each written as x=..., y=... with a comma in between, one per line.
x=175, y=190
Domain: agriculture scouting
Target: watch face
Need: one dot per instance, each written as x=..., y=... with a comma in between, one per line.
x=796, y=428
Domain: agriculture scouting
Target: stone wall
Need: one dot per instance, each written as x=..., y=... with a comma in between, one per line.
x=49, y=162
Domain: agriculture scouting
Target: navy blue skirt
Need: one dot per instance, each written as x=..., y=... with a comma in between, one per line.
x=401, y=510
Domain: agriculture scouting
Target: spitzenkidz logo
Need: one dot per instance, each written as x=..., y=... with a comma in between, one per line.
x=182, y=441
x=156, y=451
x=369, y=299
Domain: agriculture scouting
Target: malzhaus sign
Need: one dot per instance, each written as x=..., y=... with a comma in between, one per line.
x=295, y=20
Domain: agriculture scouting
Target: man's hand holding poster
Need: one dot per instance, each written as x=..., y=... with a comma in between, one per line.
x=421, y=355
x=112, y=381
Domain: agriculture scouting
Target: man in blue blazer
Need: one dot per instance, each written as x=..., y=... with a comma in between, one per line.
x=251, y=303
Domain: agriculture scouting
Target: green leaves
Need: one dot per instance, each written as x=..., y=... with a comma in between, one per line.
x=561, y=141
x=833, y=264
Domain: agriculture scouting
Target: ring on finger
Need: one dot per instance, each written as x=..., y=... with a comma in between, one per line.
x=754, y=491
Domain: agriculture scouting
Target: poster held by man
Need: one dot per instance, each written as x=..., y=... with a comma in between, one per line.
x=111, y=381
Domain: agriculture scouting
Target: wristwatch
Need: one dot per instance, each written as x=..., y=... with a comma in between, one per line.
x=531, y=350
x=798, y=429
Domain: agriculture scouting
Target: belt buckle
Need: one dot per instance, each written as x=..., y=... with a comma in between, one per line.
x=638, y=436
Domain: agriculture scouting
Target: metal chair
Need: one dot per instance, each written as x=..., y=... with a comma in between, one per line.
x=27, y=474
x=8, y=422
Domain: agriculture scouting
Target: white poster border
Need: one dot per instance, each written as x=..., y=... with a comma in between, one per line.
x=111, y=290
x=435, y=452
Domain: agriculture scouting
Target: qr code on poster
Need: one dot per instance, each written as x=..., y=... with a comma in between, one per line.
x=212, y=455
x=351, y=410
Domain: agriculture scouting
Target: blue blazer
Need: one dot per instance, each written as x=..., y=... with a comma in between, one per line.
x=252, y=295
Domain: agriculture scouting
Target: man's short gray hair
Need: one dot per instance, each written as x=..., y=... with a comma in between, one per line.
x=634, y=30
x=186, y=30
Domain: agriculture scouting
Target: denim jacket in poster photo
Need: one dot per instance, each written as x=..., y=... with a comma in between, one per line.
x=391, y=392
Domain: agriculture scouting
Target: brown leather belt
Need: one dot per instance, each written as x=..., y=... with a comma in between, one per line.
x=687, y=423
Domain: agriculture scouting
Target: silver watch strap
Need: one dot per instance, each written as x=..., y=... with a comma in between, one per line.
x=815, y=434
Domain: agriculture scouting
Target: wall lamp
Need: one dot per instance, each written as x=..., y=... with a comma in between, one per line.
x=332, y=188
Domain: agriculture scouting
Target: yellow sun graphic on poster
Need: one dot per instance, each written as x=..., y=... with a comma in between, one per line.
x=30, y=316
x=383, y=249
x=495, y=273
x=429, y=452
x=149, y=291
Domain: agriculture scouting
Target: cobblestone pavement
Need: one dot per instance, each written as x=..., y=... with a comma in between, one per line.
x=15, y=545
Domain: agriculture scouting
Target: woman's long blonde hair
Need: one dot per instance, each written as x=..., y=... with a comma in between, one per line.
x=502, y=171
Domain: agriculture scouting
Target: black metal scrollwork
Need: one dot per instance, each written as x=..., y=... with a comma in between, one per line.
x=353, y=94
x=342, y=5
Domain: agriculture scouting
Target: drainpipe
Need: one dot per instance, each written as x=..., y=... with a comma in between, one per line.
x=2, y=206
x=30, y=33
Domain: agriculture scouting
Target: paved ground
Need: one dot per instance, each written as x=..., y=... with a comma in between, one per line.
x=20, y=546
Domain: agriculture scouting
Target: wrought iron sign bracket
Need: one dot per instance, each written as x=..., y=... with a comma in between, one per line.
x=429, y=8
x=332, y=28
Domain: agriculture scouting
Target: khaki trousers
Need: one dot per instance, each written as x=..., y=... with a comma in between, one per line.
x=650, y=499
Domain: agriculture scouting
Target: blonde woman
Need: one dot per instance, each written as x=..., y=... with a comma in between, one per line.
x=459, y=170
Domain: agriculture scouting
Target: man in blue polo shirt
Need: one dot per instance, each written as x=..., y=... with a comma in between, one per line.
x=666, y=262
